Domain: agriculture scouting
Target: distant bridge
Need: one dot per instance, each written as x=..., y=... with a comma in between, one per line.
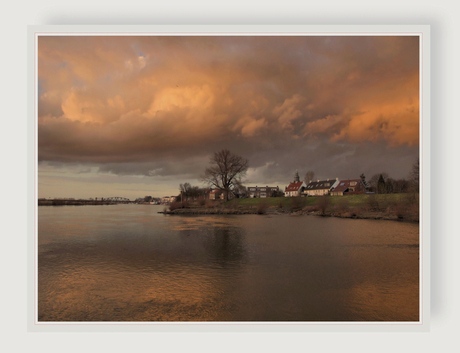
x=117, y=199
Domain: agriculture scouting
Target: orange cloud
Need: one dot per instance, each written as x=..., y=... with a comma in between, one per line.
x=250, y=127
x=122, y=98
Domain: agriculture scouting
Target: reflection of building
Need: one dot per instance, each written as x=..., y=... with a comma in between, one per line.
x=348, y=187
x=295, y=188
x=262, y=191
x=320, y=187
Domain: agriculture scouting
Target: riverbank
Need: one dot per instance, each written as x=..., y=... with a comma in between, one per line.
x=395, y=207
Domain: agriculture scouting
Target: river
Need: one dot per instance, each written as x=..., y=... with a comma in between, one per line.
x=129, y=263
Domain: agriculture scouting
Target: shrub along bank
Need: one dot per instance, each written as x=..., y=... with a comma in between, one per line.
x=387, y=206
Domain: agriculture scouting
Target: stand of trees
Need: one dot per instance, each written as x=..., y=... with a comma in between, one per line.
x=188, y=191
x=381, y=183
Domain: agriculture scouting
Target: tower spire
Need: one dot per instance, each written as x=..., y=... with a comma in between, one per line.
x=296, y=177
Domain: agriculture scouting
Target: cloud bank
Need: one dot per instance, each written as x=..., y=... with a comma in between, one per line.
x=161, y=105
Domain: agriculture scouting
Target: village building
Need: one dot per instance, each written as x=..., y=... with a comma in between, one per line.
x=295, y=188
x=349, y=187
x=167, y=199
x=320, y=187
x=262, y=191
x=215, y=194
x=231, y=195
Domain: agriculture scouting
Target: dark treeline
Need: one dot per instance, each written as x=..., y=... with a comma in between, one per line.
x=190, y=192
x=382, y=183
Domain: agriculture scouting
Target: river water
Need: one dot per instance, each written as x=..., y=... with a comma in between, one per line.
x=129, y=263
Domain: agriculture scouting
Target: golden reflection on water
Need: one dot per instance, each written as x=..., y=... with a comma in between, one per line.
x=122, y=263
x=384, y=303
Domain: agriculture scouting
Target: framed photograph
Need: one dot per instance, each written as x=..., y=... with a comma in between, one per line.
x=242, y=178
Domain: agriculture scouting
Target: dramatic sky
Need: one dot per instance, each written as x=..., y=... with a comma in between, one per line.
x=135, y=116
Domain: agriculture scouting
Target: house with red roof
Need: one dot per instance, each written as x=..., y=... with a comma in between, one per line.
x=349, y=187
x=295, y=188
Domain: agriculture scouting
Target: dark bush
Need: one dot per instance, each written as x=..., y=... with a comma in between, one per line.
x=296, y=204
x=323, y=203
x=210, y=204
x=280, y=204
x=175, y=205
x=343, y=205
x=262, y=207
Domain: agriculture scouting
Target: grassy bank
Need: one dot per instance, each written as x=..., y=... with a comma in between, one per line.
x=388, y=206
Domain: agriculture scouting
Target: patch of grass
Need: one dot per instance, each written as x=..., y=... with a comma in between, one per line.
x=355, y=203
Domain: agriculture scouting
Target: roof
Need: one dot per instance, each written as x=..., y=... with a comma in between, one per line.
x=258, y=188
x=215, y=191
x=294, y=186
x=344, y=185
x=320, y=185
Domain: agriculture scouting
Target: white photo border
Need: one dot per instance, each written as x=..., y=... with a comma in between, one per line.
x=423, y=31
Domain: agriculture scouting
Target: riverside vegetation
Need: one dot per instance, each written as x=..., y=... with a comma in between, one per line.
x=402, y=207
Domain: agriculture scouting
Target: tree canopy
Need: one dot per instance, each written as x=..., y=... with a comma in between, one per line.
x=226, y=171
x=309, y=176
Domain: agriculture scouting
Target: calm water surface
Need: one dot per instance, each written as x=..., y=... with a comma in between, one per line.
x=129, y=263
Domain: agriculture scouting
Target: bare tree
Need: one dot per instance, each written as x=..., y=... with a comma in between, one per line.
x=226, y=171
x=240, y=190
x=310, y=175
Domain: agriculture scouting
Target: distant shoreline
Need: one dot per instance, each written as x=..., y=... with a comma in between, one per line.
x=73, y=203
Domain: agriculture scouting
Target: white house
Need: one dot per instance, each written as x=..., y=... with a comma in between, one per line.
x=320, y=187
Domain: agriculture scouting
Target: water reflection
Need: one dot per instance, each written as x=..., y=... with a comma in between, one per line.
x=126, y=263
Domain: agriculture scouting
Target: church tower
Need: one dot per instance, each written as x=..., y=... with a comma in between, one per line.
x=296, y=177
